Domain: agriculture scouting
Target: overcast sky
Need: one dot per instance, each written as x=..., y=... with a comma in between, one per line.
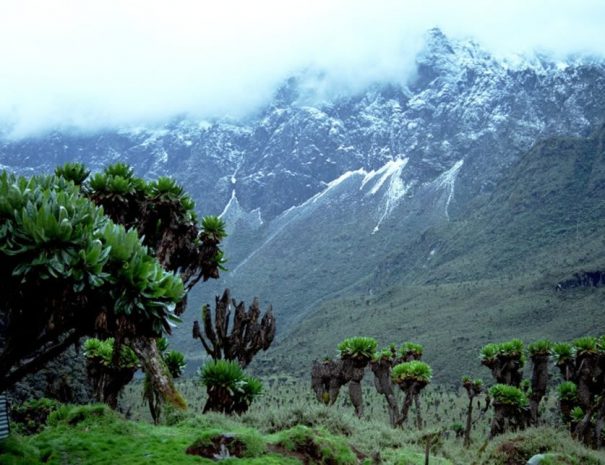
x=90, y=64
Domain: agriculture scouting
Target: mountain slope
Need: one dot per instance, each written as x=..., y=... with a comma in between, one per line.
x=487, y=277
x=459, y=126
x=360, y=194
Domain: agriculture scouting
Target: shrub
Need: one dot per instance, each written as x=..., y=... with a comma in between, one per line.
x=358, y=347
x=577, y=414
x=489, y=352
x=411, y=348
x=477, y=383
x=166, y=187
x=540, y=347
x=102, y=352
x=411, y=371
x=222, y=373
x=509, y=395
x=567, y=391
x=251, y=387
x=213, y=228
x=229, y=388
x=562, y=351
x=384, y=354
x=512, y=349
x=74, y=172
x=585, y=344
x=509, y=349
x=175, y=362
x=32, y=416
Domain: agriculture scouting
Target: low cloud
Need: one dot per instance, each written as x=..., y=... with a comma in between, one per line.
x=88, y=65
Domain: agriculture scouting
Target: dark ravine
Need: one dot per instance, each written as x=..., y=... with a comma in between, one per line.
x=426, y=183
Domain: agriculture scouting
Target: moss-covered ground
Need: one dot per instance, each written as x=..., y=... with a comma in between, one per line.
x=96, y=435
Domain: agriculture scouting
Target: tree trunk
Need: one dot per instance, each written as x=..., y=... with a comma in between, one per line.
x=419, y=424
x=469, y=423
x=219, y=400
x=506, y=417
x=566, y=406
x=539, y=382
x=587, y=364
x=599, y=425
x=326, y=380
x=407, y=403
x=108, y=381
x=355, y=368
x=154, y=366
x=384, y=386
x=356, y=397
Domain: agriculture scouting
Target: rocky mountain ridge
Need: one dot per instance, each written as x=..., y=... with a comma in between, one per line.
x=320, y=195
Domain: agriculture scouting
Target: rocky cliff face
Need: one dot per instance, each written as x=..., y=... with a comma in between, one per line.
x=320, y=194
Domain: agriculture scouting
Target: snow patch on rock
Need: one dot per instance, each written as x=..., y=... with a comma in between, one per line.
x=447, y=182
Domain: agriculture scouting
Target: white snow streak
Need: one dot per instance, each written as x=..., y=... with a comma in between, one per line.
x=387, y=171
x=395, y=191
x=390, y=176
x=297, y=210
x=228, y=206
x=447, y=180
x=163, y=155
x=332, y=184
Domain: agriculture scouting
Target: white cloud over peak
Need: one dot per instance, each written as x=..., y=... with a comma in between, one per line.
x=89, y=64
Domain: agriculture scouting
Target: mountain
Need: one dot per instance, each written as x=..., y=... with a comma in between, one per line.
x=334, y=204
x=527, y=262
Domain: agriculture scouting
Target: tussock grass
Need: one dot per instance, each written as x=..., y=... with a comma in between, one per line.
x=286, y=415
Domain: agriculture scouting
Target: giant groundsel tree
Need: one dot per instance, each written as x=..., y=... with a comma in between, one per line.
x=163, y=215
x=239, y=338
x=67, y=270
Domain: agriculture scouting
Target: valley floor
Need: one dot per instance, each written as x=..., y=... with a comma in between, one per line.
x=284, y=426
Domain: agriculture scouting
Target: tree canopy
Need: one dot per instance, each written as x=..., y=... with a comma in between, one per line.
x=163, y=215
x=68, y=269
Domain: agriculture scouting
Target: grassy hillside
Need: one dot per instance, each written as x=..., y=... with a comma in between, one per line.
x=487, y=276
x=285, y=427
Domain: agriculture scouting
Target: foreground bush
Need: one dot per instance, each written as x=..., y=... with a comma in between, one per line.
x=518, y=448
x=317, y=445
x=67, y=271
x=229, y=389
x=31, y=416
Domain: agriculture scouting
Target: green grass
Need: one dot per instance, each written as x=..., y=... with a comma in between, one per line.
x=96, y=435
x=319, y=442
x=284, y=421
x=107, y=439
x=451, y=320
x=517, y=448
